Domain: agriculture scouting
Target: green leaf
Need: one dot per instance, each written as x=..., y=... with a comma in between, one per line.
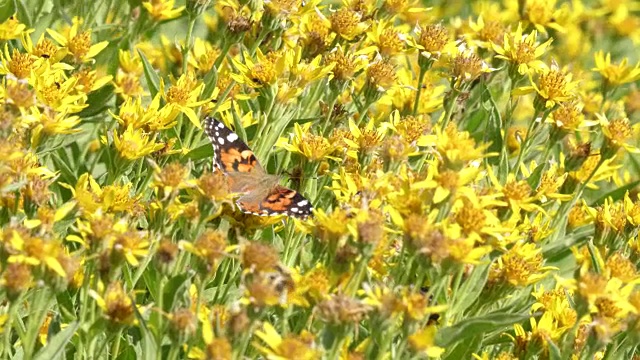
x=153, y=79
x=616, y=194
x=199, y=153
x=493, y=132
x=536, y=175
x=464, y=350
x=55, y=347
x=175, y=288
x=471, y=289
x=23, y=13
x=149, y=347
x=7, y=9
x=210, y=82
x=476, y=326
x=98, y=101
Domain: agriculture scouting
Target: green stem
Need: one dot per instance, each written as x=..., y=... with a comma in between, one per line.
x=187, y=43
x=116, y=345
x=525, y=143
x=39, y=307
x=416, y=102
x=159, y=330
x=225, y=49
x=448, y=111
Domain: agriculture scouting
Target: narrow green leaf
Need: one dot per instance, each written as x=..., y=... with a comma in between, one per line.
x=464, y=350
x=477, y=325
x=493, y=133
x=175, y=287
x=210, y=82
x=7, y=9
x=616, y=194
x=149, y=347
x=153, y=79
x=470, y=289
x=55, y=347
x=536, y=175
x=99, y=102
x=199, y=153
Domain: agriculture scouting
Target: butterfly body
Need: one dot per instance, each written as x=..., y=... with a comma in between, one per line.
x=261, y=192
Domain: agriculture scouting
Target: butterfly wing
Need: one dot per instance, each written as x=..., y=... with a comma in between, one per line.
x=230, y=154
x=278, y=200
x=245, y=174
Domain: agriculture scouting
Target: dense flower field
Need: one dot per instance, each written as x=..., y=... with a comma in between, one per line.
x=472, y=166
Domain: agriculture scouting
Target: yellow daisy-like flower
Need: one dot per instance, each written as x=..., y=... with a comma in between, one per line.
x=522, y=51
x=51, y=123
x=553, y=86
x=290, y=347
x=78, y=42
x=162, y=9
x=183, y=97
x=12, y=28
x=303, y=142
x=261, y=73
x=617, y=131
x=116, y=304
x=133, y=144
x=423, y=341
x=615, y=74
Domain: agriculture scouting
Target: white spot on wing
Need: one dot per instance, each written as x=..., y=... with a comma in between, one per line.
x=232, y=137
x=302, y=203
x=295, y=209
x=220, y=141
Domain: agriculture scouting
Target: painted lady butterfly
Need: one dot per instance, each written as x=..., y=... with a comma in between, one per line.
x=262, y=194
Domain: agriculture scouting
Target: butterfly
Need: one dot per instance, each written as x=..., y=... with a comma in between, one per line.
x=261, y=192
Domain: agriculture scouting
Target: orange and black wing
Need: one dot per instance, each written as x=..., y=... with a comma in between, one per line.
x=230, y=154
x=279, y=200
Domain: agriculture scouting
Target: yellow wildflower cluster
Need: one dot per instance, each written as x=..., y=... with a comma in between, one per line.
x=472, y=169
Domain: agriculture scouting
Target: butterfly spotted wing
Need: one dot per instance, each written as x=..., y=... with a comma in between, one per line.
x=261, y=193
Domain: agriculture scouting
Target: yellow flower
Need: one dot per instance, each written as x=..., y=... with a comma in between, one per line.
x=617, y=131
x=517, y=193
x=132, y=245
x=133, y=144
x=183, y=97
x=303, y=142
x=162, y=9
x=523, y=52
x=259, y=74
x=133, y=114
x=522, y=265
x=19, y=64
x=203, y=56
x=467, y=66
x=541, y=13
x=431, y=41
x=346, y=64
x=423, y=341
x=346, y=23
x=12, y=28
x=58, y=92
x=457, y=148
x=50, y=123
x=78, y=42
x=306, y=72
x=89, y=81
x=615, y=74
x=44, y=48
x=291, y=347
x=487, y=32
x=553, y=86
x=388, y=40
x=116, y=305
x=35, y=251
